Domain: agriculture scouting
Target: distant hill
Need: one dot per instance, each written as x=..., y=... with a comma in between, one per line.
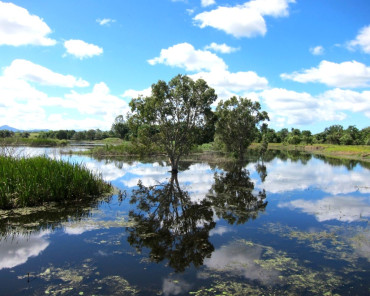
x=13, y=129
x=9, y=128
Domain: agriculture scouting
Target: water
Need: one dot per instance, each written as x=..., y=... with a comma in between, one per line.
x=293, y=225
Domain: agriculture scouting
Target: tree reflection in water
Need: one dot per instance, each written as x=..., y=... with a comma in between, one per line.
x=171, y=225
x=233, y=197
x=175, y=228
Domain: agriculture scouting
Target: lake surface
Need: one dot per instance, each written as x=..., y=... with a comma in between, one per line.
x=291, y=225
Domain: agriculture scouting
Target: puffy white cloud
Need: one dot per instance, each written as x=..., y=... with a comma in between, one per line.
x=131, y=93
x=28, y=71
x=206, y=3
x=175, y=286
x=223, y=48
x=105, y=21
x=81, y=49
x=215, y=71
x=341, y=208
x=245, y=20
x=317, y=50
x=362, y=40
x=346, y=75
x=184, y=55
x=19, y=27
x=98, y=102
x=291, y=107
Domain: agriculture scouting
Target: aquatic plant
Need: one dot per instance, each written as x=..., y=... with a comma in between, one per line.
x=33, y=181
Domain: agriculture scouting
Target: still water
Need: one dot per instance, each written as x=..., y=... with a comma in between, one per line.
x=292, y=224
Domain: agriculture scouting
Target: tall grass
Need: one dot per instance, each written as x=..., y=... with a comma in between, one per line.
x=33, y=181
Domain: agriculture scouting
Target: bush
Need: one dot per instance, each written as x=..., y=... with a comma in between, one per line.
x=33, y=181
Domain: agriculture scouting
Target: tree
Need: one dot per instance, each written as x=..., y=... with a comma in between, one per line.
x=237, y=124
x=120, y=128
x=177, y=110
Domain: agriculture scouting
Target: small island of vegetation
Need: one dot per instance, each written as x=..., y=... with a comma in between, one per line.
x=34, y=181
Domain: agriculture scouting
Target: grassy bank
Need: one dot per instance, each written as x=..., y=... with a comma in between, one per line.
x=33, y=181
x=356, y=152
x=32, y=142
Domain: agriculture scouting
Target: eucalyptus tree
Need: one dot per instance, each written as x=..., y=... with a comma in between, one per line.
x=238, y=122
x=177, y=110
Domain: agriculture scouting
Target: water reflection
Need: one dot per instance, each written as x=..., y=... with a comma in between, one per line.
x=177, y=228
x=171, y=225
x=233, y=196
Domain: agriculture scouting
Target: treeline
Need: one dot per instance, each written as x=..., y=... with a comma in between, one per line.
x=334, y=134
x=89, y=135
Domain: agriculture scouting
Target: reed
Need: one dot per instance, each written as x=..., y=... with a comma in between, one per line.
x=34, y=181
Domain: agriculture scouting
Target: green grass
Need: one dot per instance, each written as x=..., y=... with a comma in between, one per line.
x=34, y=181
x=32, y=142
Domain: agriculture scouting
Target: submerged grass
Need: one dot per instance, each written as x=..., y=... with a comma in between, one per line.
x=33, y=181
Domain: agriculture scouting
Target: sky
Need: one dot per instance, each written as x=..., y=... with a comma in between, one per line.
x=76, y=64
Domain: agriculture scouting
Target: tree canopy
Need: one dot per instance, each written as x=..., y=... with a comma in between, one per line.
x=177, y=110
x=237, y=125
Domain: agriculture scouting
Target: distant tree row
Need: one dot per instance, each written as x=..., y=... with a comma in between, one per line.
x=334, y=134
x=88, y=135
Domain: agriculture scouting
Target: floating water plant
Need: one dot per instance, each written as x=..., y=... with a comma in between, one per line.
x=33, y=181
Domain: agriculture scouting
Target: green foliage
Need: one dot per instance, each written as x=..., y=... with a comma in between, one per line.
x=33, y=181
x=172, y=115
x=237, y=124
x=120, y=128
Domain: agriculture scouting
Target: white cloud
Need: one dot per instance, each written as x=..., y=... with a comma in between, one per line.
x=81, y=49
x=225, y=83
x=317, y=50
x=19, y=27
x=105, y=21
x=223, y=48
x=245, y=20
x=345, y=75
x=206, y=3
x=175, y=286
x=131, y=93
x=98, y=102
x=184, y=55
x=28, y=71
x=362, y=40
x=341, y=208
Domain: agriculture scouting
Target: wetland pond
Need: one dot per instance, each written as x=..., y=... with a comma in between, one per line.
x=294, y=224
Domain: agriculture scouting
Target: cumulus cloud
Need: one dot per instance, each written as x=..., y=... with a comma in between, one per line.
x=222, y=48
x=317, y=50
x=206, y=3
x=28, y=71
x=212, y=68
x=341, y=208
x=81, y=49
x=345, y=75
x=184, y=55
x=246, y=20
x=19, y=27
x=131, y=93
x=105, y=21
x=362, y=40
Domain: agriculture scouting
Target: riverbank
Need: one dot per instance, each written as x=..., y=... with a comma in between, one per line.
x=355, y=152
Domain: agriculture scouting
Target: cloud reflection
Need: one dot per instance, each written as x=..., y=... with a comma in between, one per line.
x=17, y=250
x=341, y=208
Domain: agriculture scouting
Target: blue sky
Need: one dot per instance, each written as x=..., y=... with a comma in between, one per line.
x=75, y=64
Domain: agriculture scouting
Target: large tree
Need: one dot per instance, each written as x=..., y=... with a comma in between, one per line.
x=238, y=122
x=177, y=110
